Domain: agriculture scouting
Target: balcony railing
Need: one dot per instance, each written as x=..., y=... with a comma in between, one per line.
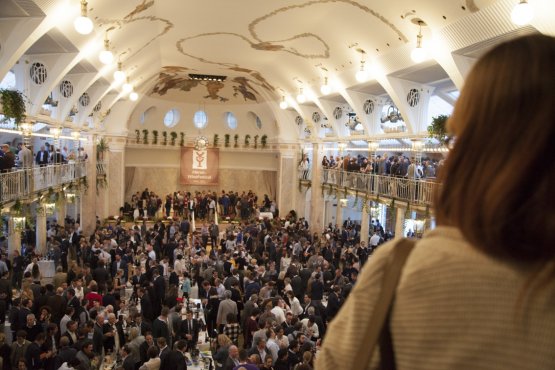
x=24, y=182
x=414, y=191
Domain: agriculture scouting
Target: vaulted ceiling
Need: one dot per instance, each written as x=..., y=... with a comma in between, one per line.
x=266, y=49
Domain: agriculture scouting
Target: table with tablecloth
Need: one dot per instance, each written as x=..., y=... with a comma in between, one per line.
x=47, y=268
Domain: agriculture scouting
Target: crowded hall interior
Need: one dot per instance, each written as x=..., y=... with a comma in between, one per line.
x=190, y=185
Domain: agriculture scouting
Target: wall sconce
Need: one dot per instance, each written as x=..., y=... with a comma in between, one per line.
x=301, y=98
x=283, y=103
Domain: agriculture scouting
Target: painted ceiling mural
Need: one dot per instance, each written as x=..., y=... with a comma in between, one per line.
x=175, y=79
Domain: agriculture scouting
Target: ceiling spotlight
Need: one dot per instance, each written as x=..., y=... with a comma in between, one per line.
x=418, y=54
x=283, y=104
x=119, y=75
x=301, y=98
x=106, y=56
x=522, y=13
x=83, y=24
x=325, y=89
x=133, y=96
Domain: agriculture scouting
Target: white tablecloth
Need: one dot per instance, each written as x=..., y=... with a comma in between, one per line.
x=47, y=268
x=263, y=215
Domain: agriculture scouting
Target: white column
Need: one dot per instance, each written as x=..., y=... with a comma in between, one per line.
x=316, y=200
x=365, y=226
x=339, y=213
x=41, y=229
x=88, y=199
x=61, y=210
x=14, y=237
x=399, y=221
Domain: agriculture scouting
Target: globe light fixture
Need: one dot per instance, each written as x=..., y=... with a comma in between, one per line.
x=119, y=75
x=283, y=104
x=325, y=89
x=133, y=96
x=106, y=56
x=301, y=98
x=127, y=87
x=522, y=13
x=83, y=24
x=418, y=54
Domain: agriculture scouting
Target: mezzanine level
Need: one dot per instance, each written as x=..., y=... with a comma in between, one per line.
x=24, y=182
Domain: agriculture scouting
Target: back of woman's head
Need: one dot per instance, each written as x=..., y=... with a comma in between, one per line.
x=498, y=178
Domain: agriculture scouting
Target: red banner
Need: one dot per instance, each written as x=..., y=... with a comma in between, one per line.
x=199, y=167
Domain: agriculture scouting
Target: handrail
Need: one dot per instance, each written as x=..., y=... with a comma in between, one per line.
x=24, y=182
x=414, y=191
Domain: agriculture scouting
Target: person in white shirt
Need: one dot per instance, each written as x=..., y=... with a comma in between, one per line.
x=279, y=312
x=296, y=307
x=310, y=328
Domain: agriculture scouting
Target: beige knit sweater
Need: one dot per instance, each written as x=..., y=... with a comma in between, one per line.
x=456, y=308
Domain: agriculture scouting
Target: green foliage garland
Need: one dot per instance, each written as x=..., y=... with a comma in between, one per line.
x=13, y=105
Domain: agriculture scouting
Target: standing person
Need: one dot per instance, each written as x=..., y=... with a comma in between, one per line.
x=7, y=160
x=41, y=158
x=496, y=290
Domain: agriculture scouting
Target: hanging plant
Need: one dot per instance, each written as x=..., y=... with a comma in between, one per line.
x=13, y=106
x=236, y=140
x=264, y=141
x=154, y=137
x=182, y=139
x=247, y=140
x=165, y=136
x=216, y=140
x=173, y=136
x=16, y=208
x=101, y=148
x=437, y=128
x=137, y=136
x=226, y=140
x=145, y=136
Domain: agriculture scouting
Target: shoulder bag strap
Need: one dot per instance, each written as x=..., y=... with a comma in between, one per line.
x=378, y=326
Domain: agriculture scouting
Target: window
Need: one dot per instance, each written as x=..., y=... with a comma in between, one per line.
x=38, y=73
x=200, y=119
x=9, y=81
x=171, y=118
x=231, y=120
x=258, y=123
x=66, y=88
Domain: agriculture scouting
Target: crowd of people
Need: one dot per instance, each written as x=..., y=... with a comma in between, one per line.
x=268, y=289
x=384, y=165
x=23, y=156
x=204, y=204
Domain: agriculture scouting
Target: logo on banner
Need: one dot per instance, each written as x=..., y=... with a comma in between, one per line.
x=200, y=159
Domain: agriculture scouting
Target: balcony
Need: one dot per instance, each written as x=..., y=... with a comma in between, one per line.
x=22, y=183
x=413, y=191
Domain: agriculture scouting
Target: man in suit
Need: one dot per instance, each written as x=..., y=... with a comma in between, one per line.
x=260, y=349
x=42, y=157
x=175, y=360
x=98, y=335
x=146, y=305
x=160, y=327
x=164, y=349
x=114, y=337
x=119, y=264
x=143, y=348
x=232, y=359
x=7, y=161
x=57, y=304
x=190, y=329
x=128, y=360
x=65, y=353
x=25, y=156
x=101, y=276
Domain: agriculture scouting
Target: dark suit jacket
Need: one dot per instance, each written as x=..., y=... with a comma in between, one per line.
x=174, y=360
x=122, y=266
x=42, y=157
x=160, y=329
x=146, y=308
x=64, y=355
x=129, y=363
x=185, y=330
x=110, y=341
x=98, y=339
x=57, y=305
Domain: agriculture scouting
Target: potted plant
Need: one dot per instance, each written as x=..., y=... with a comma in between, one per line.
x=13, y=105
x=101, y=147
x=173, y=136
x=145, y=136
x=264, y=141
x=226, y=140
x=437, y=128
x=255, y=141
x=182, y=139
x=216, y=140
x=236, y=140
x=247, y=140
x=165, y=136
x=137, y=136
x=154, y=137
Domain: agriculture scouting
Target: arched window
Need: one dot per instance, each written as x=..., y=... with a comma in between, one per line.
x=171, y=118
x=231, y=120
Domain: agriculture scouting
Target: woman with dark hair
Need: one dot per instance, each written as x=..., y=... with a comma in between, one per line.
x=478, y=291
